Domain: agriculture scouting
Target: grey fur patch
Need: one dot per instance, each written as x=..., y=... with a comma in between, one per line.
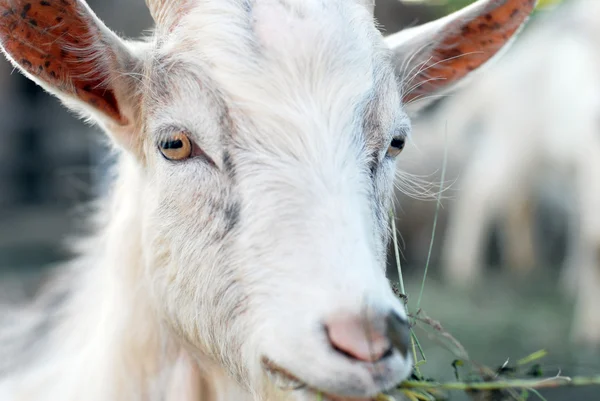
x=232, y=216
x=228, y=165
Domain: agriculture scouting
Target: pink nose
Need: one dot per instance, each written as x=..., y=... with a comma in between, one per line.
x=359, y=338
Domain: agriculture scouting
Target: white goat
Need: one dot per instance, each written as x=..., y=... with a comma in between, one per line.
x=244, y=241
x=535, y=113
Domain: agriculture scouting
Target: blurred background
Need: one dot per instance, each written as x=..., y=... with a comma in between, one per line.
x=507, y=167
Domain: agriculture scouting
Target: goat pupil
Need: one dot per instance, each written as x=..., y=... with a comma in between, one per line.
x=175, y=144
x=398, y=143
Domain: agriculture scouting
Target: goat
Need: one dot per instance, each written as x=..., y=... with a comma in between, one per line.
x=242, y=247
x=509, y=129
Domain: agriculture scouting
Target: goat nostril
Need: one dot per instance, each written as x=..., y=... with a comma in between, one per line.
x=398, y=331
x=354, y=338
x=389, y=352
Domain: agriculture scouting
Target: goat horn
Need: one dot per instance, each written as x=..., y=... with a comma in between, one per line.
x=165, y=12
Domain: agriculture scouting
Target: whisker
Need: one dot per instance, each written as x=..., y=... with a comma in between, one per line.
x=418, y=67
x=425, y=97
x=422, y=70
x=421, y=83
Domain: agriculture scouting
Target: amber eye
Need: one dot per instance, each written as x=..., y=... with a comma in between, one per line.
x=396, y=146
x=177, y=147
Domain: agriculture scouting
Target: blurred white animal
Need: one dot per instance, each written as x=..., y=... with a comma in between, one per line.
x=242, y=253
x=534, y=115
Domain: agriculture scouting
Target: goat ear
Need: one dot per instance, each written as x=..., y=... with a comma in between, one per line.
x=66, y=49
x=433, y=57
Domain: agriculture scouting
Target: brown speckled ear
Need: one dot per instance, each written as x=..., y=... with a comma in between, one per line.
x=437, y=55
x=65, y=48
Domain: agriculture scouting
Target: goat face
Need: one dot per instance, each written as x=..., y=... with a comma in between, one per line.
x=264, y=135
x=277, y=225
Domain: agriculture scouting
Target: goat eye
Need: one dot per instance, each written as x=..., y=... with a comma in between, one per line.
x=176, y=148
x=396, y=147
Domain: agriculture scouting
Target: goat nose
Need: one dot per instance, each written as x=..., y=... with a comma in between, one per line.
x=368, y=340
x=398, y=331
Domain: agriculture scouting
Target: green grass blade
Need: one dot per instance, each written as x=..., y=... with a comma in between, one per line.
x=435, y=219
x=397, y=252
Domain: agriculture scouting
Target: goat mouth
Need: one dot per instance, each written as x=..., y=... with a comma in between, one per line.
x=286, y=381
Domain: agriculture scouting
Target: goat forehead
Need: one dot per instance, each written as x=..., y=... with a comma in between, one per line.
x=289, y=58
x=249, y=39
x=281, y=25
